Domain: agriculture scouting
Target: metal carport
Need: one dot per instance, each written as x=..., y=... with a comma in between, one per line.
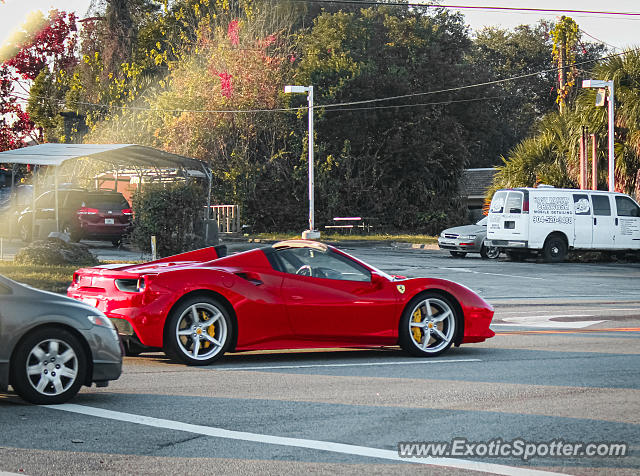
x=114, y=156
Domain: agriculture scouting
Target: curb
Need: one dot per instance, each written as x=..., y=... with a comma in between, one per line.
x=415, y=246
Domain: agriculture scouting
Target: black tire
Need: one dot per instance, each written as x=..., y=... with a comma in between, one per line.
x=413, y=329
x=191, y=347
x=555, y=249
x=458, y=254
x=58, y=364
x=489, y=252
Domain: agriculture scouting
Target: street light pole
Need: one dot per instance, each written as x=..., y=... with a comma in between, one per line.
x=311, y=233
x=596, y=83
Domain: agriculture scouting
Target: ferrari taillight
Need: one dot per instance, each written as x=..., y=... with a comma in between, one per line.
x=127, y=211
x=131, y=285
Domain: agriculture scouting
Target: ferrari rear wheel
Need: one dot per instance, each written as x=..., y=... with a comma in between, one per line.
x=428, y=325
x=198, y=331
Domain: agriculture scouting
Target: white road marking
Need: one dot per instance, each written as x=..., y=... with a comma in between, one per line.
x=467, y=270
x=360, y=364
x=601, y=310
x=543, y=317
x=295, y=442
x=545, y=321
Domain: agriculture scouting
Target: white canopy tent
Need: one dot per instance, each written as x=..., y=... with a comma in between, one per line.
x=116, y=156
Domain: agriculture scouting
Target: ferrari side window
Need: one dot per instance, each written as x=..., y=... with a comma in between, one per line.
x=321, y=264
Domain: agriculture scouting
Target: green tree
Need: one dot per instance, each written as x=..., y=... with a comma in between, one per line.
x=397, y=161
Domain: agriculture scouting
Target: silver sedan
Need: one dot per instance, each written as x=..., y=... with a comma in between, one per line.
x=51, y=345
x=467, y=239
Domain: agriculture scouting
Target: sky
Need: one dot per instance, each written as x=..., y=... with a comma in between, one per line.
x=616, y=31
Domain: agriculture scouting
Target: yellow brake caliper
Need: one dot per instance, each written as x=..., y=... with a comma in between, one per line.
x=211, y=330
x=417, y=333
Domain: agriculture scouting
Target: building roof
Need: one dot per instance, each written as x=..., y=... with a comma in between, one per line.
x=475, y=182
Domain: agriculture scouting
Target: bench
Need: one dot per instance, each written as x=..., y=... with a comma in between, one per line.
x=348, y=223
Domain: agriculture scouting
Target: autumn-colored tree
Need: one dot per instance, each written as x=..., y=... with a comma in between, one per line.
x=43, y=48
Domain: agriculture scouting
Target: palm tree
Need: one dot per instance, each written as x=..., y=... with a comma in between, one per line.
x=551, y=155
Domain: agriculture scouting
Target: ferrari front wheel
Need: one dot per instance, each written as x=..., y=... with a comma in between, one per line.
x=198, y=331
x=428, y=325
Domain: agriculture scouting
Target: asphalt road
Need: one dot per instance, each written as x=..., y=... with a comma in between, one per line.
x=564, y=365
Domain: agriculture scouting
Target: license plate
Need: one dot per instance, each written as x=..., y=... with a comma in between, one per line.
x=90, y=301
x=109, y=221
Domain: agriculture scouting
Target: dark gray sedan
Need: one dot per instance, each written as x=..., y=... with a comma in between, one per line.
x=51, y=345
x=467, y=239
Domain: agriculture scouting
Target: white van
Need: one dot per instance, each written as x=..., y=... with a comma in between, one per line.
x=552, y=221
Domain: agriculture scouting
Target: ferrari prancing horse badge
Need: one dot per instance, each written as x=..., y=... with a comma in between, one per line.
x=400, y=288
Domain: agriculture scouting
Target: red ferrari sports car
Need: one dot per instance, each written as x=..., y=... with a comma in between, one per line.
x=295, y=294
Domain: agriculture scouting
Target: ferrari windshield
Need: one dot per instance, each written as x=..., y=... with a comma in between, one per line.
x=321, y=263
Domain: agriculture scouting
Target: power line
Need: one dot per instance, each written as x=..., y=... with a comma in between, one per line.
x=599, y=40
x=470, y=7
x=348, y=103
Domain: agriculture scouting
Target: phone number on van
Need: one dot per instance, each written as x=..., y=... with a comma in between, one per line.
x=562, y=220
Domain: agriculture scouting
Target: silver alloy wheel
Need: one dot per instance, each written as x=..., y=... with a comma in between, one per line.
x=435, y=322
x=52, y=367
x=492, y=252
x=201, y=331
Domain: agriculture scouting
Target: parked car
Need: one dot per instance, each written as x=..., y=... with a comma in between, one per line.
x=468, y=239
x=100, y=215
x=552, y=221
x=295, y=294
x=18, y=200
x=51, y=345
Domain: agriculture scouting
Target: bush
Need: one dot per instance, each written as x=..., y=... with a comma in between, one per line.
x=55, y=252
x=174, y=213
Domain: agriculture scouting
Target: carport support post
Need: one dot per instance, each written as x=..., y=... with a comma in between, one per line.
x=55, y=185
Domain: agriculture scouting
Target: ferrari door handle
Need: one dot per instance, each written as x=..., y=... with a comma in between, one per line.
x=297, y=298
x=253, y=278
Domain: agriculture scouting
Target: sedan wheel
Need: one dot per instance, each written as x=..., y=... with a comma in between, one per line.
x=489, y=252
x=50, y=366
x=428, y=325
x=198, y=332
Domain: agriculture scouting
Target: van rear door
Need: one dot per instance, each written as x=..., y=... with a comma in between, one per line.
x=508, y=216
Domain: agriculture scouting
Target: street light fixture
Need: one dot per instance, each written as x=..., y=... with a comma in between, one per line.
x=311, y=233
x=600, y=84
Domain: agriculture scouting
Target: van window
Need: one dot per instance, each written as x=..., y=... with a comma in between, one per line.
x=627, y=207
x=497, y=204
x=514, y=203
x=581, y=204
x=601, y=205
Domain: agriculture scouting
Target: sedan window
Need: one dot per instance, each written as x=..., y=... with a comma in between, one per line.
x=321, y=264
